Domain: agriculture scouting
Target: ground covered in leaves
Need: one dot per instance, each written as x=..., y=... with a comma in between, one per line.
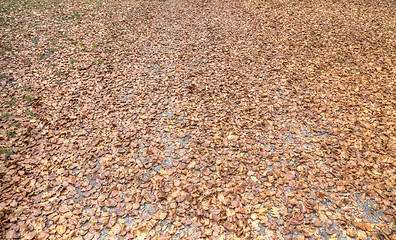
x=184, y=119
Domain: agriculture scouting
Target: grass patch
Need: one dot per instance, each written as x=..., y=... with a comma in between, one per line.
x=5, y=115
x=27, y=97
x=27, y=61
x=16, y=124
x=97, y=44
x=11, y=102
x=6, y=151
x=30, y=113
x=76, y=15
x=27, y=89
x=10, y=134
x=59, y=73
x=5, y=47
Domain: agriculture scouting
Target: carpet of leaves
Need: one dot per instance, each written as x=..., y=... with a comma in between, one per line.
x=184, y=119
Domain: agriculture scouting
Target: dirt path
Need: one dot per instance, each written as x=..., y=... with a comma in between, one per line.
x=187, y=119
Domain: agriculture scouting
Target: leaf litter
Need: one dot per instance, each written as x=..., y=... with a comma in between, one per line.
x=197, y=119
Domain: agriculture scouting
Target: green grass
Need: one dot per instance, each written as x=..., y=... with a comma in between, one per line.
x=98, y=44
x=27, y=97
x=5, y=47
x=5, y=115
x=27, y=89
x=11, y=102
x=10, y=134
x=16, y=124
x=6, y=151
x=30, y=113
x=83, y=47
x=27, y=61
x=59, y=73
x=2, y=76
x=75, y=16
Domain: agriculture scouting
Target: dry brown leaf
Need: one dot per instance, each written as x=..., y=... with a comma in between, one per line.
x=61, y=229
x=351, y=232
x=200, y=112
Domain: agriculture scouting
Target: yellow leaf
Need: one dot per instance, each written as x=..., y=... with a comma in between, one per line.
x=192, y=164
x=172, y=229
x=262, y=211
x=362, y=235
x=61, y=229
x=116, y=229
x=230, y=212
x=275, y=212
x=221, y=197
x=232, y=137
x=267, y=184
x=351, y=232
x=101, y=198
x=255, y=225
x=271, y=178
x=163, y=215
x=141, y=236
x=309, y=231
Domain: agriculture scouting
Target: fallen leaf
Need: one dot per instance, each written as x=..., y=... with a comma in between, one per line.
x=275, y=212
x=61, y=229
